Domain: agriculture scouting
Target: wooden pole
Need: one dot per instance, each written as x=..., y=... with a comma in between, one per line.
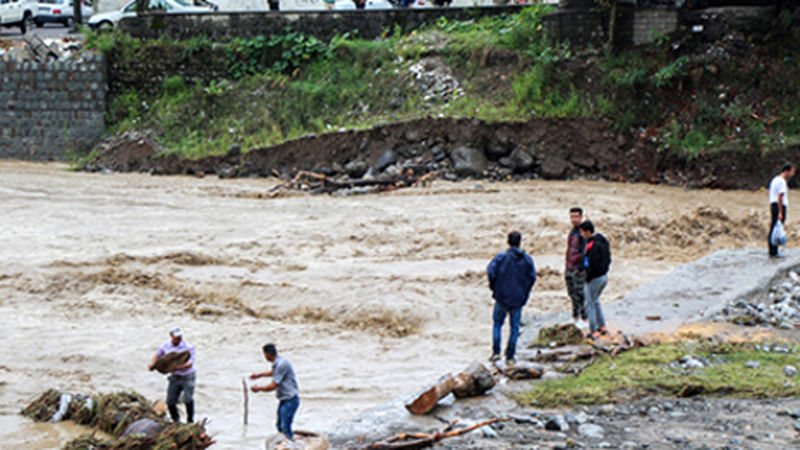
x=244, y=390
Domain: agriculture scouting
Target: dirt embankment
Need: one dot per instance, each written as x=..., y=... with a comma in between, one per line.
x=457, y=149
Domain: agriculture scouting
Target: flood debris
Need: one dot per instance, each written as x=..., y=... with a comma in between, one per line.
x=317, y=183
x=32, y=48
x=424, y=440
x=776, y=307
x=560, y=335
x=129, y=417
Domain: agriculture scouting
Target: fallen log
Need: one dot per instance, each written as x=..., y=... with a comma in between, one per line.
x=425, y=401
x=427, y=440
x=475, y=380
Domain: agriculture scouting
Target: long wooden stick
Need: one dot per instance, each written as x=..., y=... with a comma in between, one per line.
x=427, y=440
x=246, y=400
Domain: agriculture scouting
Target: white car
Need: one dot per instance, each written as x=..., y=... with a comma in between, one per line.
x=17, y=13
x=110, y=19
x=61, y=11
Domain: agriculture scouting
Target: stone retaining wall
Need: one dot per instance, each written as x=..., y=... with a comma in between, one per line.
x=367, y=24
x=48, y=110
x=589, y=27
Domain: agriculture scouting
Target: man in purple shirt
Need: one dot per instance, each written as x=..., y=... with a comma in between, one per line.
x=182, y=378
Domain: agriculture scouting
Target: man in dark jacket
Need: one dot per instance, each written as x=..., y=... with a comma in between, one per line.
x=574, y=275
x=512, y=275
x=596, y=263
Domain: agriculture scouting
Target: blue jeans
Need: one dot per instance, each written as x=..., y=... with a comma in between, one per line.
x=591, y=302
x=499, y=316
x=286, y=410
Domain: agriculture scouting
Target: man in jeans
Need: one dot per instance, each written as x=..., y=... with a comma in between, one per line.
x=778, y=203
x=596, y=263
x=284, y=383
x=512, y=275
x=182, y=379
x=574, y=275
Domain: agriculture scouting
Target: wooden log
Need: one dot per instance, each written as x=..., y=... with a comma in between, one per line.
x=424, y=402
x=475, y=380
x=167, y=363
x=523, y=373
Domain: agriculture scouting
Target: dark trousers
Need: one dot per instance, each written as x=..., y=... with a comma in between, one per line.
x=773, y=209
x=575, y=281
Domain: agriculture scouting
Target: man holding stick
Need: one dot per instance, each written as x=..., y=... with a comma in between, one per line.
x=284, y=383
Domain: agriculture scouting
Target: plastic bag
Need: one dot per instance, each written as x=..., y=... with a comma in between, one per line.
x=778, y=235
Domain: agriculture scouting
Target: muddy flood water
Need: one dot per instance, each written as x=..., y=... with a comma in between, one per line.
x=370, y=297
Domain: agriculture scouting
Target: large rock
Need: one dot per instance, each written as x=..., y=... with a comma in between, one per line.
x=468, y=161
x=143, y=427
x=553, y=167
x=522, y=160
x=356, y=169
x=388, y=158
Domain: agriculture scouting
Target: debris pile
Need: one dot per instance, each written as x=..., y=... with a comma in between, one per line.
x=435, y=80
x=127, y=416
x=779, y=307
x=560, y=335
x=34, y=49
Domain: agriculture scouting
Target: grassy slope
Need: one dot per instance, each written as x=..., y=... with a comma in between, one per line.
x=646, y=371
x=293, y=85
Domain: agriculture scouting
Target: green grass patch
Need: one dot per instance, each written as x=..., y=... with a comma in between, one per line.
x=646, y=371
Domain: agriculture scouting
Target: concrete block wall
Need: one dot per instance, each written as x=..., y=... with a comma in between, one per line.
x=50, y=109
x=648, y=22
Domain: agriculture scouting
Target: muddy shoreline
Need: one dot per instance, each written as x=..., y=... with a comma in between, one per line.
x=461, y=148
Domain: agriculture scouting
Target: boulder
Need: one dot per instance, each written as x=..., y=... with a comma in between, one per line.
x=355, y=169
x=496, y=150
x=143, y=427
x=553, y=167
x=522, y=159
x=468, y=161
x=388, y=158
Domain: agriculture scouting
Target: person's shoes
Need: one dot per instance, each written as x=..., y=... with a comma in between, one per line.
x=603, y=331
x=511, y=362
x=581, y=324
x=494, y=357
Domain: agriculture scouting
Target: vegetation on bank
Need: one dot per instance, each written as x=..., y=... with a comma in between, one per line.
x=268, y=90
x=647, y=371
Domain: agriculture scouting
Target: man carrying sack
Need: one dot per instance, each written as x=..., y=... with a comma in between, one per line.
x=176, y=358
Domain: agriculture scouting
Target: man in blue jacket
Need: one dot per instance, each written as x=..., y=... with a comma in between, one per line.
x=512, y=275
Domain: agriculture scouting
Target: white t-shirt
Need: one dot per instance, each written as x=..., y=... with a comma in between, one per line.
x=777, y=187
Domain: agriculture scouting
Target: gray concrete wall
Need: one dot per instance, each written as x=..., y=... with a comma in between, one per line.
x=589, y=27
x=367, y=24
x=50, y=109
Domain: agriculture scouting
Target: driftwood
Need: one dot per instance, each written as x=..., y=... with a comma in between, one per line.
x=409, y=441
x=323, y=184
x=475, y=380
x=170, y=361
x=522, y=373
x=425, y=401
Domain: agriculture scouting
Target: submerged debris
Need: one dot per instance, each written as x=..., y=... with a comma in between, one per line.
x=116, y=414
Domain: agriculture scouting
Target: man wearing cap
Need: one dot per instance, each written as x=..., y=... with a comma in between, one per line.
x=182, y=378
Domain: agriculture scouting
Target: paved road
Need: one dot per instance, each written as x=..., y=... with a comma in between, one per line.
x=50, y=30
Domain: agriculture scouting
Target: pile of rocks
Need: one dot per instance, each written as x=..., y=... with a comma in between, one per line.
x=691, y=362
x=779, y=307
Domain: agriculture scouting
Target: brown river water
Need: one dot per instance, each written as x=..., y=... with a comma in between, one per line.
x=370, y=297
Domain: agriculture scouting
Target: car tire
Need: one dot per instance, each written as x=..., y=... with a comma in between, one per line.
x=105, y=26
x=38, y=23
x=26, y=24
x=69, y=22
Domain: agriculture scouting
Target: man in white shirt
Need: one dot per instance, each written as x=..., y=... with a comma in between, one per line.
x=778, y=202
